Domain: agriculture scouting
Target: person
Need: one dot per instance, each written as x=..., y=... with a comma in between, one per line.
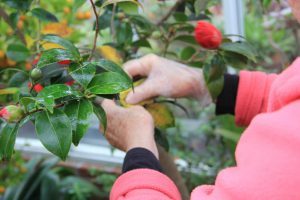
x=267, y=154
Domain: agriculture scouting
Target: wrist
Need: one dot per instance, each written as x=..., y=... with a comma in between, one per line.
x=144, y=142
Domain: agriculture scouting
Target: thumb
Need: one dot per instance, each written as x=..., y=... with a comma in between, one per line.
x=143, y=92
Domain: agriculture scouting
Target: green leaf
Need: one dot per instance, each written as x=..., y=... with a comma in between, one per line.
x=77, y=4
x=111, y=67
x=7, y=140
x=109, y=83
x=187, y=53
x=214, y=75
x=18, y=79
x=49, y=186
x=79, y=112
x=55, y=55
x=28, y=103
x=141, y=43
x=62, y=42
x=55, y=132
x=129, y=7
x=242, y=48
x=186, y=38
x=101, y=115
x=124, y=33
x=58, y=91
x=17, y=4
x=180, y=17
x=17, y=52
x=82, y=73
x=43, y=15
x=108, y=2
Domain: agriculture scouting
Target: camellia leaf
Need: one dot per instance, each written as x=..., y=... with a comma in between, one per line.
x=108, y=2
x=17, y=4
x=55, y=55
x=62, y=42
x=187, y=53
x=242, y=48
x=186, y=38
x=9, y=91
x=162, y=115
x=162, y=139
x=129, y=7
x=77, y=4
x=109, y=83
x=7, y=140
x=101, y=115
x=82, y=73
x=111, y=67
x=44, y=15
x=17, y=52
x=214, y=75
x=55, y=132
x=79, y=112
x=58, y=91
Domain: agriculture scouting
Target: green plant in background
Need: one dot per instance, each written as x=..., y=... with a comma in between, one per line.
x=45, y=180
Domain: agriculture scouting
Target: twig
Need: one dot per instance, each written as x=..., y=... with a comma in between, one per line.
x=5, y=17
x=164, y=18
x=96, y=30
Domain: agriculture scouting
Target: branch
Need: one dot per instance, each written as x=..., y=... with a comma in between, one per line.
x=5, y=17
x=164, y=18
x=96, y=30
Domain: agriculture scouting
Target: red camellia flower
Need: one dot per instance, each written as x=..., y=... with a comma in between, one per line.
x=65, y=62
x=36, y=59
x=38, y=87
x=207, y=35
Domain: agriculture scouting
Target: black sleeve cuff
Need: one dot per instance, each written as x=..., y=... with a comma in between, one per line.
x=139, y=158
x=226, y=100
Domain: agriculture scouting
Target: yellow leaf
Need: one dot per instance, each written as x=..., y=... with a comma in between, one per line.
x=2, y=54
x=9, y=91
x=124, y=94
x=49, y=45
x=110, y=53
x=162, y=115
x=29, y=41
x=60, y=29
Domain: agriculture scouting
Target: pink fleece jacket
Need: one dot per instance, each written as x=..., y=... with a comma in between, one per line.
x=267, y=155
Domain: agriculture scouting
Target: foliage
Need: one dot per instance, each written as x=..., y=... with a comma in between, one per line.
x=46, y=180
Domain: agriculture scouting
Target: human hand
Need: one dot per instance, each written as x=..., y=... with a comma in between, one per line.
x=128, y=128
x=166, y=78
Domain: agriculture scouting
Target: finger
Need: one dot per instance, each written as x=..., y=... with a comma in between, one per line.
x=146, y=90
x=109, y=106
x=138, y=67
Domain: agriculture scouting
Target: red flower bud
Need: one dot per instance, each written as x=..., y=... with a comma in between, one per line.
x=38, y=87
x=64, y=62
x=70, y=83
x=12, y=113
x=36, y=59
x=207, y=35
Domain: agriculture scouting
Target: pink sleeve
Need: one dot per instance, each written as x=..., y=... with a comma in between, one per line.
x=267, y=157
x=144, y=184
x=252, y=96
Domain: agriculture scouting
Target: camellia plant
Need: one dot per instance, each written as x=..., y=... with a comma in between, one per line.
x=54, y=75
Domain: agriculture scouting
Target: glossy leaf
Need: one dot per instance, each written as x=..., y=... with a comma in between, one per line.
x=111, y=67
x=82, y=73
x=101, y=115
x=7, y=140
x=129, y=7
x=200, y=6
x=77, y=4
x=55, y=55
x=9, y=91
x=186, y=38
x=79, y=112
x=214, y=75
x=49, y=186
x=109, y=83
x=62, y=42
x=17, y=52
x=187, y=53
x=161, y=139
x=58, y=91
x=242, y=48
x=108, y=2
x=161, y=114
x=55, y=132
x=44, y=15
x=17, y=4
